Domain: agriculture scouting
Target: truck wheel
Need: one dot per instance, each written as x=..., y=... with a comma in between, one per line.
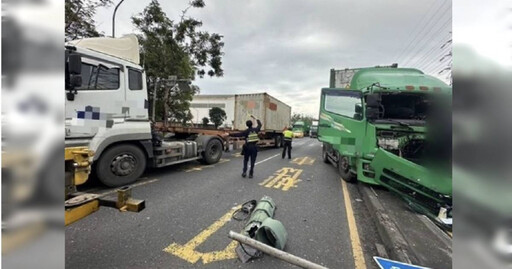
x=212, y=152
x=278, y=141
x=325, y=157
x=121, y=165
x=344, y=169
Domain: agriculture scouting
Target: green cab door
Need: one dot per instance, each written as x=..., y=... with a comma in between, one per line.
x=341, y=123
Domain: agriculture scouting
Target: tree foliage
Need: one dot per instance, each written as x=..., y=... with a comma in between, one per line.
x=79, y=22
x=176, y=48
x=217, y=116
x=205, y=121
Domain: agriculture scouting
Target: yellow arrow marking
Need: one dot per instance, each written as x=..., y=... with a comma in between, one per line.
x=187, y=252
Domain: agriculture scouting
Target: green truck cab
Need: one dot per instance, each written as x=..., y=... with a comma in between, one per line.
x=299, y=129
x=373, y=128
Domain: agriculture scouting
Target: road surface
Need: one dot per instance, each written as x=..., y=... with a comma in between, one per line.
x=188, y=215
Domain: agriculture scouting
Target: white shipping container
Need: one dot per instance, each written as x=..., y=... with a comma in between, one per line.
x=274, y=114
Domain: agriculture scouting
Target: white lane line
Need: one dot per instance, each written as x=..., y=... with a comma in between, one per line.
x=267, y=159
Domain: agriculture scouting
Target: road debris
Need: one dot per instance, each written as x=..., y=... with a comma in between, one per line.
x=282, y=255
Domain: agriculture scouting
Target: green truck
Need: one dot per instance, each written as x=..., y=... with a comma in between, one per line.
x=372, y=123
x=299, y=129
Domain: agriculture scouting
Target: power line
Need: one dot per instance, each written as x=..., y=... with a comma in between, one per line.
x=420, y=22
x=426, y=43
x=437, y=67
x=435, y=58
x=404, y=52
x=427, y=55
x=432, y=66
x=428, y=36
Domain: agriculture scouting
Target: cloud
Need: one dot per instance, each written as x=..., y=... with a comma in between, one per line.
x=287, y=47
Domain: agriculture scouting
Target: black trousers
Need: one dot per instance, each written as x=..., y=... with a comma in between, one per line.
x=287, y=146
x=251, y=152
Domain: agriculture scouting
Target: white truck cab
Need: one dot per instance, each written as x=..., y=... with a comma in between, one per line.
x=107, y=111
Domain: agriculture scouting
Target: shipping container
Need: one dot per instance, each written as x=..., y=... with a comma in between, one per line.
x=341, y=78
x=274, y=114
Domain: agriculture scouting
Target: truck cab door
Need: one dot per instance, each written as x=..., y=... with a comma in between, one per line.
x=341, y=122
x=98, y=101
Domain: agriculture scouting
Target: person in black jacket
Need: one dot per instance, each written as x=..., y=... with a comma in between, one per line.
x=250, y=148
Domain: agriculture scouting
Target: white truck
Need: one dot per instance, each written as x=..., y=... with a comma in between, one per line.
x=107, y=112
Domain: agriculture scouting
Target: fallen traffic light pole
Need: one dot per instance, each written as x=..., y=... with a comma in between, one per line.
x=287, y=257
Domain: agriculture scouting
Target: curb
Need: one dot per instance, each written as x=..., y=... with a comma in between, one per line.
x=394, y=241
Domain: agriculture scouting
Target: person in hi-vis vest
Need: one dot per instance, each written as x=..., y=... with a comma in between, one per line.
x=250, y=149
x=288, y=136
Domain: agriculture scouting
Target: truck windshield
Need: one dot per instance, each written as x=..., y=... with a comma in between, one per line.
x=404, y=106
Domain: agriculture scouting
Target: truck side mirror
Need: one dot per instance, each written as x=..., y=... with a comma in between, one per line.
x=359, y=112
x=73, y=75
x=359, y=109
x=373, y=100
x=75, y=64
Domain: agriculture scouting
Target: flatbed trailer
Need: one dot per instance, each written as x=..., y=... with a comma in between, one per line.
x=268, y=138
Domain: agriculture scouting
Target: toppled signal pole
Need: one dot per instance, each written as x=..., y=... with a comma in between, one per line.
x=287, y=257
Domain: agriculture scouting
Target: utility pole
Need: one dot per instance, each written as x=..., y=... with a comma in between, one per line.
x=114, y=19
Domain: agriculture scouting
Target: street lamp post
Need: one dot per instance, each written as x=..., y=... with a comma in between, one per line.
x=114, y=19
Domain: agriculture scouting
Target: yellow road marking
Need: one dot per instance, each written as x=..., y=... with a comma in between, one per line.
x=357, y=250
x=284, y=178
x=303, y=160
x=187, y=252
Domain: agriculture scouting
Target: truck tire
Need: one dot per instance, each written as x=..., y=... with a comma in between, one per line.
x=212, y=151
x=121, y=165
x=344, y=169
x=278, y=140
x=325, y=157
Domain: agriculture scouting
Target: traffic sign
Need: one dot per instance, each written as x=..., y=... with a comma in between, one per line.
x=390, y=264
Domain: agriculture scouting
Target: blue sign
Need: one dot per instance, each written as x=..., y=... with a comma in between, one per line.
x=390, y=264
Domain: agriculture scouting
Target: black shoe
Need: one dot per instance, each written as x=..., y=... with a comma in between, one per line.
x=244, y=174
x=250, y=175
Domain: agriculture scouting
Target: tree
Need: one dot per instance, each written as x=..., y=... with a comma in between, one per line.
x=296, y=117
x=205, y=121
x=79, y=22
x=170, y=48
x=217, y=116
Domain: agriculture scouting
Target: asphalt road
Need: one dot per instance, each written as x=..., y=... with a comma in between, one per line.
x=187, y=216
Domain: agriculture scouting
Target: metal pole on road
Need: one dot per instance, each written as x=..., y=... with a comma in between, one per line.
x=287, y=257
x=114, y=19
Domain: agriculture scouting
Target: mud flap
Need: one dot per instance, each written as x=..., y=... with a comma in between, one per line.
x=424, y=190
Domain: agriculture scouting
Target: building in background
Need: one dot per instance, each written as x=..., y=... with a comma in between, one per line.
x=201, y=105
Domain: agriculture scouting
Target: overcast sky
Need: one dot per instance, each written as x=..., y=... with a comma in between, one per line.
x=287, y=47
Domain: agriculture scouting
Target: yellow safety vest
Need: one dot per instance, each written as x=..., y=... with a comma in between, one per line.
x=288, y=135
x=253, y=137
